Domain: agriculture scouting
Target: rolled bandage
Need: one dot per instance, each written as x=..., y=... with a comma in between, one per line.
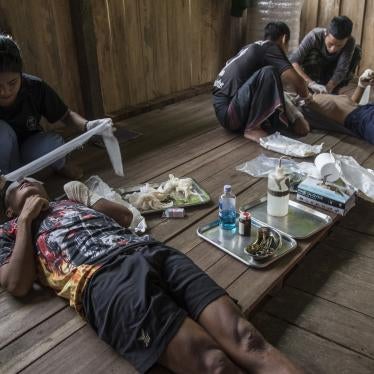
x=77, y=191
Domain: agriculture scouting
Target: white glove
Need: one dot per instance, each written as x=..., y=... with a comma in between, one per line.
x=366, y=78
x=92, y=124
x=77, y=191
x=317, y=88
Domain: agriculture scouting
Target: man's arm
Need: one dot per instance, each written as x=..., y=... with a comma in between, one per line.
x=293, y=82
x=301, y=72
x=18, y=275
x=118, y=212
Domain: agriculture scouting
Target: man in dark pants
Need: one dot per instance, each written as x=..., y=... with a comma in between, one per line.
x=327, y=58
x=150, y=302
x=248, y=91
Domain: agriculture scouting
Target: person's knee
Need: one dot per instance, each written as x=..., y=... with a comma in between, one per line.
x=8, y=134
x=215, y=361
x=268, y=70
x=248, y=338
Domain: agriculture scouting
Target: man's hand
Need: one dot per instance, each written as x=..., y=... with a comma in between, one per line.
x=77, y=191
x=32, y=208
x=317, y=88
x=366, y=78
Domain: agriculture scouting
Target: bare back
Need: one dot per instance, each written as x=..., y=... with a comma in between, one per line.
x=335, y=107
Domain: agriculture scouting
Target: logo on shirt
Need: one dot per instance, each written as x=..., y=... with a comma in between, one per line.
x=218, y=83
x=145, y=338
x=31, y=123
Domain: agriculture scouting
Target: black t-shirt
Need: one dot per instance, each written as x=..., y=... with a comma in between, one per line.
x=34, y=100
x=249, y=59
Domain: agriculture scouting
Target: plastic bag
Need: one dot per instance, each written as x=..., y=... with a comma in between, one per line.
x=290, y=147
x=262, y=165
x=97, y=185
x=104, y=129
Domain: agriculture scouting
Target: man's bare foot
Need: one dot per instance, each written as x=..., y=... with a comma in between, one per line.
x=70, y=171
x=255, y=135
x=301, y=126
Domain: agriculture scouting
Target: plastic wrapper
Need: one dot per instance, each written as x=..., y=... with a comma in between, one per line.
x=353, y=174
x=290, y=147
x=261, y=12
x=97, y=185
x=104, y=129
x=262, y=165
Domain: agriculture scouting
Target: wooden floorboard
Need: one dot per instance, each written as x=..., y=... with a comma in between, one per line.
x=313, y=353
x=183, y=139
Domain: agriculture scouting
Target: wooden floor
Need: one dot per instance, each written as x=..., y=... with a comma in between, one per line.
x=322, y=318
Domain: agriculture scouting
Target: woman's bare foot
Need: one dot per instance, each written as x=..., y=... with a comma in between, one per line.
x=255, y=135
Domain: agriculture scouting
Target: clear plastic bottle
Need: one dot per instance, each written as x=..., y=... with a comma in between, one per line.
x=227, y=209
x=278, y=192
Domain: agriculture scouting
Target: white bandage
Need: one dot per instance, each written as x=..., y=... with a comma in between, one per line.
x=77, y=191
x=365, y=78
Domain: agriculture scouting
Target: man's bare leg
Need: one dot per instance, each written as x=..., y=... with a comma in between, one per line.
x=192, y=350
x=223, y=320
x=255, y=134
x=301, y=126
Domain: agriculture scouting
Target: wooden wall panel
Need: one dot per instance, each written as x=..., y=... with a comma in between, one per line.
x=309, y=16
x=327, y=10
x=367, y=42
x=44, y=32
x=355, y=11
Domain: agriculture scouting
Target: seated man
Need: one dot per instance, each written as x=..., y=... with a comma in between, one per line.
x=346, y=111
x=248, y=90
x=147, y=300
x=327, y=58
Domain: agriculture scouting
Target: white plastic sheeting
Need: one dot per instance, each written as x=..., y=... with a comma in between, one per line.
x=111, y=143
x=260, y=13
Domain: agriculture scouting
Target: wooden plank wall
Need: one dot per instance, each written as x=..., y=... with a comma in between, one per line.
x=44, y=32
x=317, y=13
x=152, y=48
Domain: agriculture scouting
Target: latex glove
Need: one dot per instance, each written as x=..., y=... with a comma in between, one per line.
x=78, y=191
x=92, y=124
x=366, y=78
x=317, y=88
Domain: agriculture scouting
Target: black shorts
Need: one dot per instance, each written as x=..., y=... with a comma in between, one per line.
x=137, y=302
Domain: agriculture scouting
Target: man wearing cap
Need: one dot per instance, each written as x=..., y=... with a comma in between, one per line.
x=150, y=302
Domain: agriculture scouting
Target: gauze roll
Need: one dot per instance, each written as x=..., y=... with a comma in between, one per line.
x=104, y=129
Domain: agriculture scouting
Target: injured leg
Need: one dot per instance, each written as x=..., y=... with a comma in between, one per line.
x=300, y=125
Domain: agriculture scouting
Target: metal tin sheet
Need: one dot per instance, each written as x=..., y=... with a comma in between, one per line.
x=203, y=197
x=233, y=244
x=301, y=222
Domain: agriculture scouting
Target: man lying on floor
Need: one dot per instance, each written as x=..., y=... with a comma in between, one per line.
x=248, y=91
x=346, y=111
x=147, y=300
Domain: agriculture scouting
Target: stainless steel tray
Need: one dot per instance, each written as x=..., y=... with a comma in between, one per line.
x=179, y=203
x=233, y=243
x=301, y=222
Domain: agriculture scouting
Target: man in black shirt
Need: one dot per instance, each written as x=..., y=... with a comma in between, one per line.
x=24, y=99
x=248, y=90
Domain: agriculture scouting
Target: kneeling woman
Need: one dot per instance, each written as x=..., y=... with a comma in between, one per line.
x=24, y=99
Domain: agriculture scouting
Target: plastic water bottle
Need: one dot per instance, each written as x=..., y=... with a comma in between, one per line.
x=227, y=209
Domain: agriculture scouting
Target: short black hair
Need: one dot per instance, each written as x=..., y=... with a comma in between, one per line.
x=275, y=30
x=10, y=55
x=340, y=27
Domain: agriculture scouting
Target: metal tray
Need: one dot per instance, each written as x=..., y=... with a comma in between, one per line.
x=301, y=222
x=180, y=203
x=233, y=243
